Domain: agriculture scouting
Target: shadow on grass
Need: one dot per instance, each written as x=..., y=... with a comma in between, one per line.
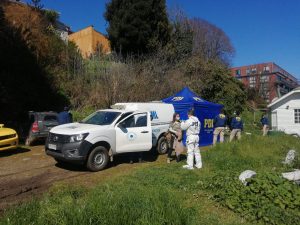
x=10, y=152
x=71, y=167
x=135, y=157
x=37, y=142
x=120, y=159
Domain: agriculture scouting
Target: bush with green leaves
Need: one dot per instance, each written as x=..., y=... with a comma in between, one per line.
x=268, y=197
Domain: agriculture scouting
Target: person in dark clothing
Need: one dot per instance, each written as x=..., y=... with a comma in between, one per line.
x=265, y=123
x=237, y=127
x=219, y=125
x=65, y=116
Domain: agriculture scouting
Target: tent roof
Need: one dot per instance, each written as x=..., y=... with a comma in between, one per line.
x=186, y=96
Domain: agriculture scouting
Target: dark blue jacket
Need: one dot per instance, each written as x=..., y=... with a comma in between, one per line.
x=264, y=121
x=64, y=117
x=220, y=120
x=237, y=123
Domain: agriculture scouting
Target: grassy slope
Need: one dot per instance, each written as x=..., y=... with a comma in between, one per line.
x=165, y=194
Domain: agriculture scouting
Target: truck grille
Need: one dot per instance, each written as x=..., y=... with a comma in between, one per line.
x=58, y=138
x=7, y=136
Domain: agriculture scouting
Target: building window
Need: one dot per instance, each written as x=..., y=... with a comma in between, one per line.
x=252, y=82
x=297, y=115
x=279, y=78
x=238, y=72
x=248, y=71
x=266, y=69
x=264, y=79
x=253, y=70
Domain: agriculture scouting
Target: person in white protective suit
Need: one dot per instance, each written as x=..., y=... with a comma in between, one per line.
x=192, y=127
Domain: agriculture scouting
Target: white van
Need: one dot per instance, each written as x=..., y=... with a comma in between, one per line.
x=127, y=127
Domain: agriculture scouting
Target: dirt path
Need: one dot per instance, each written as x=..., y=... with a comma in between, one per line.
x=29, y=172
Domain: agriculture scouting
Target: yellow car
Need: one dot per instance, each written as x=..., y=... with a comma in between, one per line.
x=8, y=138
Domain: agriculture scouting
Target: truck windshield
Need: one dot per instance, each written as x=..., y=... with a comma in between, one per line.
x=101, y=118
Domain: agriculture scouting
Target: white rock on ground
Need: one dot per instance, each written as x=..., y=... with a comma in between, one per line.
x=290, y=157
x=292, y=176
x=246, y=175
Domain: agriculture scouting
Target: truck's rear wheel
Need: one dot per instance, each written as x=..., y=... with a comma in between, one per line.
x=98, y=159
x=162, y=145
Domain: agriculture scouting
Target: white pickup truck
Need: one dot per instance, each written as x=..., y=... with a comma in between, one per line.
x=127, y=127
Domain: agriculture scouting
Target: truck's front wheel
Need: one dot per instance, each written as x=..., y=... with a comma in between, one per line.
x=98, y=159
x=162, y=145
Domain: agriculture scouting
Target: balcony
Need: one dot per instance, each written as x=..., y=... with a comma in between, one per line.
x=290, y=84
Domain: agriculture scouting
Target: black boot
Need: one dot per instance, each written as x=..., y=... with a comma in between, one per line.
x=141, y=157
x=177, y=158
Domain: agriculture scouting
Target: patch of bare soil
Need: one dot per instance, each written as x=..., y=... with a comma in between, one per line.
x=29, y=172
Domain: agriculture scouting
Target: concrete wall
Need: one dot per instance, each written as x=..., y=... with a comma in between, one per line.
x=100, y=39
x=87, y=41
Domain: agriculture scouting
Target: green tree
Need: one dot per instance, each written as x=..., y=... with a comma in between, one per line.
x=180, y=45
x=51, y=15
x=221, y=87
x=213, y=82
x=137, y=26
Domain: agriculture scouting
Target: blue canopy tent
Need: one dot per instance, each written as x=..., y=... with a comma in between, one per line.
x=206, y=111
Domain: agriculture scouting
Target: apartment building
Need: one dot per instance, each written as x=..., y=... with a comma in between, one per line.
x=270, y=80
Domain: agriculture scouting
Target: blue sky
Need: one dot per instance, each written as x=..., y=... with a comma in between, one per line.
x=260, y=30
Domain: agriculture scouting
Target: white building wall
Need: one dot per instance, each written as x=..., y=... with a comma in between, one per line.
x=285, y=114
x=63, y=35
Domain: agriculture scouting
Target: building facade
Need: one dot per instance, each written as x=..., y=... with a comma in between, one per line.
x=269, y=79
x=62, y=30
x=89, y=41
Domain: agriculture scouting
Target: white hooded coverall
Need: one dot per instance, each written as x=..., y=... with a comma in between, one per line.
x=192, y=127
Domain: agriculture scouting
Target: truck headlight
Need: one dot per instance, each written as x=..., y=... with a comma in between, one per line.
x=77, y=137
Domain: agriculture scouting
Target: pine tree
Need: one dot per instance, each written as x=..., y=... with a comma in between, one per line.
x=137, y=26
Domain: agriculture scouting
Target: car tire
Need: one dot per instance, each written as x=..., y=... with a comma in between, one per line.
x=162, y=145
x=97, y=159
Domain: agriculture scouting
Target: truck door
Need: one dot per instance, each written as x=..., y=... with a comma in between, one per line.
x=134, y=134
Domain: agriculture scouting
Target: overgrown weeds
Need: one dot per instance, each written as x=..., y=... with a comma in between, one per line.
x=168, y=194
